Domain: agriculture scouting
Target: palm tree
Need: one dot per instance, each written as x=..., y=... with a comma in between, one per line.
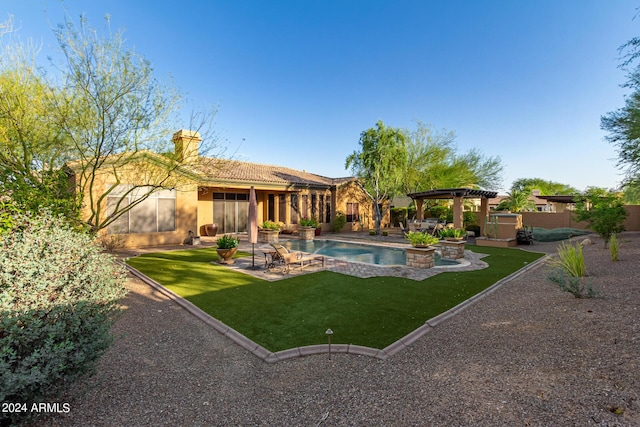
x=517, y=201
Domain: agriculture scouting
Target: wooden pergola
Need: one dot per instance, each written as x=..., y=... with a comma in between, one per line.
x=458, y=195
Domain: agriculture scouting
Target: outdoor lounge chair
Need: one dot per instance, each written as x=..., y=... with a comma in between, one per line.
x=287, y=258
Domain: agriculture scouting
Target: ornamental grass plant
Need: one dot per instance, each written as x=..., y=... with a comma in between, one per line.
x=569, y=271
x=571, y=260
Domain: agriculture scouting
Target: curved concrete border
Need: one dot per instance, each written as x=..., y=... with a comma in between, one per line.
x=271, y=357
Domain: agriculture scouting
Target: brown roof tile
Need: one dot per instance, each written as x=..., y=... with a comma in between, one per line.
x=235, y=170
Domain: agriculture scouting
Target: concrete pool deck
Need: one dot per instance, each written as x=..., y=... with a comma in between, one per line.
x=471, y=261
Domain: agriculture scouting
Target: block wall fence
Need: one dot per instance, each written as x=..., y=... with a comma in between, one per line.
x=564, y=219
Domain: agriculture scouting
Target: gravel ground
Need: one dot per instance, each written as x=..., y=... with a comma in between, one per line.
x=526, y=355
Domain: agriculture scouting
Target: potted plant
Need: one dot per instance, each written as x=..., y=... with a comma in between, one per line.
x=421, y=240
x=268, y=232
x=452, y=233
x=227, y=247
x=307, y=228
x=308, y=222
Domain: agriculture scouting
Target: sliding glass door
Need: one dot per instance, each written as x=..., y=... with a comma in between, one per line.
x=231, y=211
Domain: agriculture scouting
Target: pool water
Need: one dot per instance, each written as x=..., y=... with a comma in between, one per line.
x=356, y=252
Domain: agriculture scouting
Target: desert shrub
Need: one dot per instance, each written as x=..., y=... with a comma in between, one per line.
x=579, y=287
x=441, y=212
x=613, y=247
x=338, y=222
x=556, y=234
x=58, y=296
x=603, y=210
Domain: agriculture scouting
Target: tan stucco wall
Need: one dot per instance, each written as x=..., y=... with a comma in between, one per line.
x=550, y=220
x=186, y=220
x=186, y=207
x=352, y=192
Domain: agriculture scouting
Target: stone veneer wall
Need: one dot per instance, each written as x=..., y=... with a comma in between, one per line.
x=306, y=233
x=268, y=236
x=452, y=249
x=421, y=257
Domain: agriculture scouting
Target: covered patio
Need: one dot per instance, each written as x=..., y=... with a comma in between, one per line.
x=458, y=195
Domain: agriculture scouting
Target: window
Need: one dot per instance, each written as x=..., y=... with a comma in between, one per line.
x=328, y=212
x=321, y=208
x=295, y=210
x=353, y=214
x=156, y=213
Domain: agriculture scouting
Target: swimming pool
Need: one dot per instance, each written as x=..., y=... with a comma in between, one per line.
x=356, y=252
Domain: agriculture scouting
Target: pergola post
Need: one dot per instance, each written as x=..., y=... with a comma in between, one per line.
x=419, y=209
x=458, y=217
x=484, y=212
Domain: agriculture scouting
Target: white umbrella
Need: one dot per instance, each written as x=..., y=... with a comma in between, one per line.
x=253, y=223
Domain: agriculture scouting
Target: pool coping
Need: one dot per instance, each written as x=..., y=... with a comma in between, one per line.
x=273, y=357
x=461, y=262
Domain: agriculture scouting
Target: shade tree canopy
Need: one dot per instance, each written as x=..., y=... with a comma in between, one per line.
x=546, y=188
x=380, y=165
x=394, y=161
x=434, y=162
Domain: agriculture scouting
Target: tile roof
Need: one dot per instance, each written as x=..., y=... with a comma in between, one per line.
x=235, y=170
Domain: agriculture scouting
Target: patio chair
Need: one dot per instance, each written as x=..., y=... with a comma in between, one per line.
x=288, y=258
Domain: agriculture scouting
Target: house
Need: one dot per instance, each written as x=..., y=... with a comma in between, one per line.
x=217, y=191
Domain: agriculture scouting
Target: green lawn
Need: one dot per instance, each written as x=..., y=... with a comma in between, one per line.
x=297, y=311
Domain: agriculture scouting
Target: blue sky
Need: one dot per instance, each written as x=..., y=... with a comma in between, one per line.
x=296, y=82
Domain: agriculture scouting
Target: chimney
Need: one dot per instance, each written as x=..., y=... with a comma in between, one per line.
x=186, y=143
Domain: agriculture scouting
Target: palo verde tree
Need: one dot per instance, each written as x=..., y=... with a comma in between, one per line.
x=434, y=162
x=32, y=148
x=603, y=210
x=106, y=115
x=120, y=119
x=380, y=165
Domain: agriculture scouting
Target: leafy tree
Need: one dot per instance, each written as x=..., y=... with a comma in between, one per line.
x=380, y=165
x=603, y=210
x=433, y=162
x=632, y=193
x=517, y=201
x=547, y=188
